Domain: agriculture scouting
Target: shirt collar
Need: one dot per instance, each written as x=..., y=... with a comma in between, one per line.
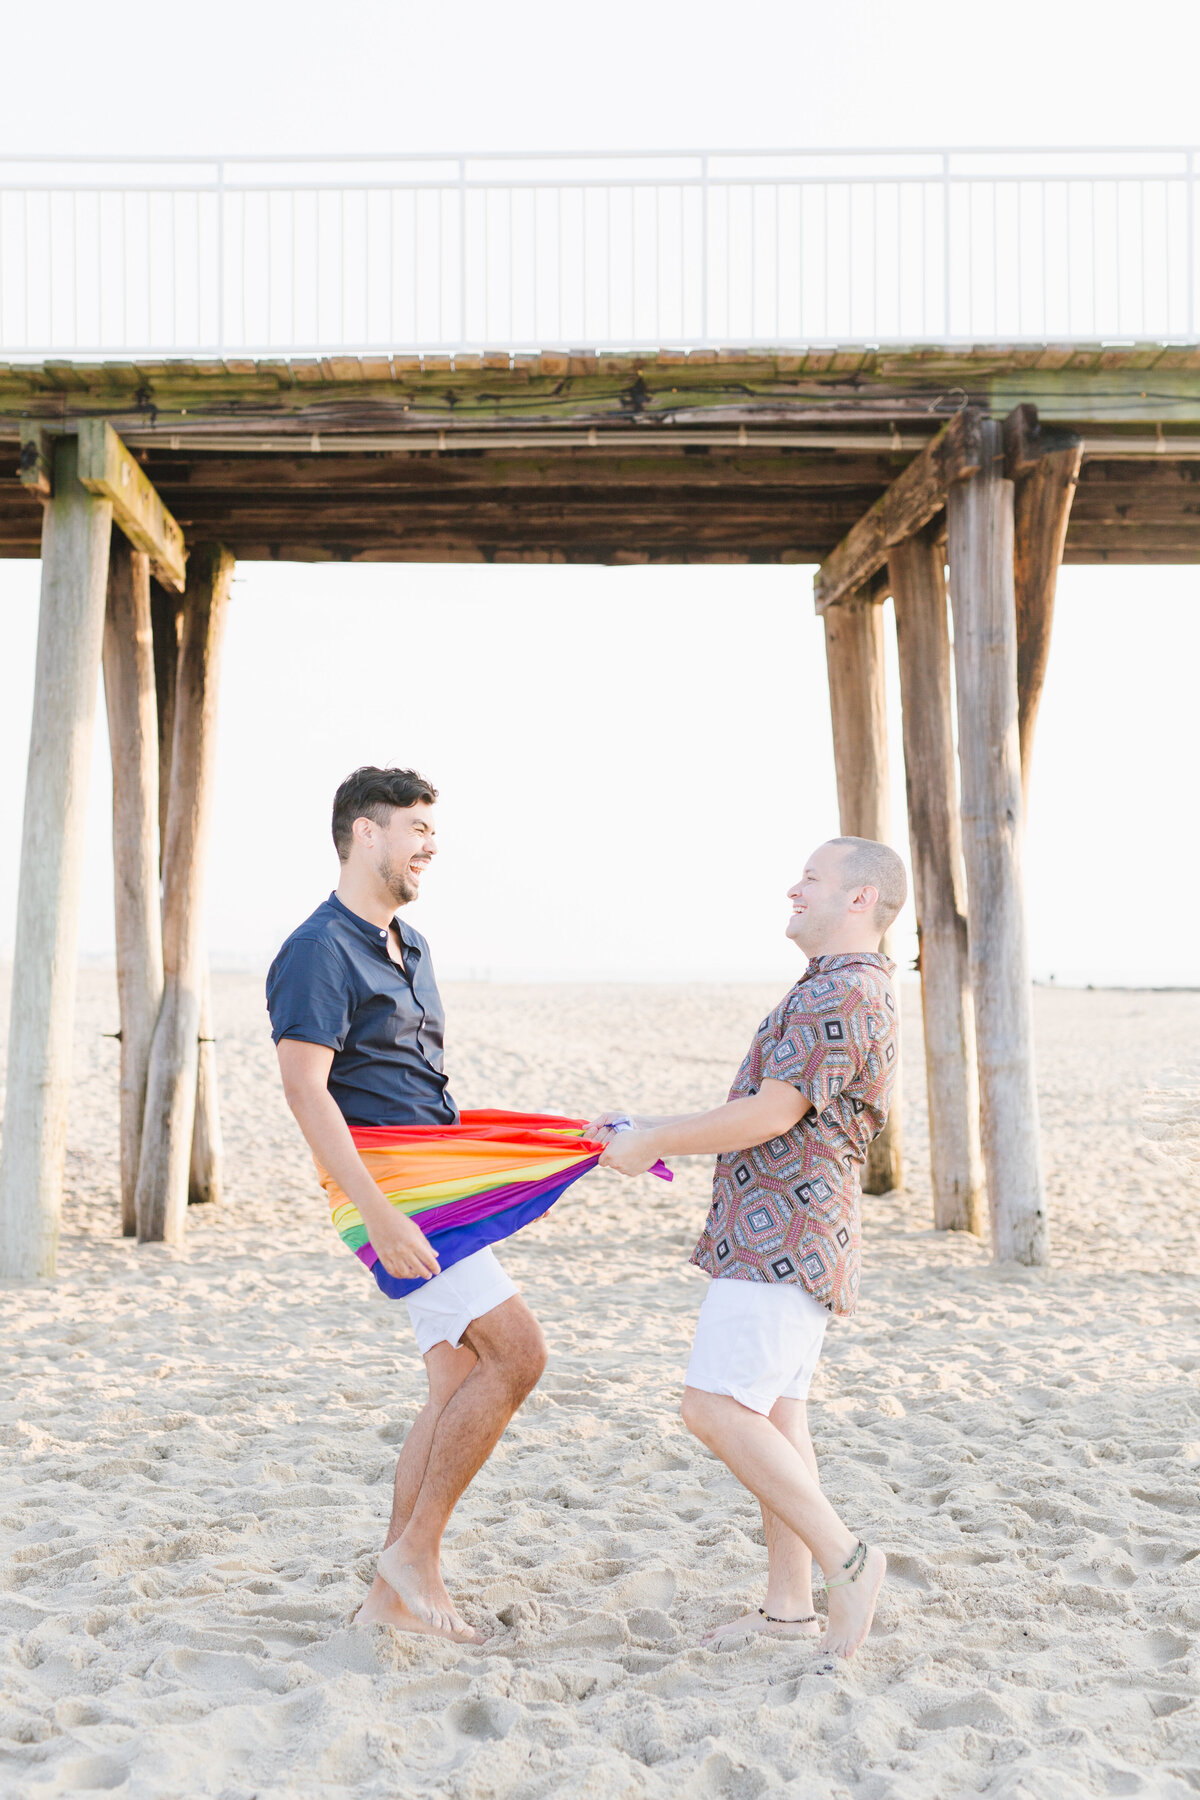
x=821, y=965
x=375, y=934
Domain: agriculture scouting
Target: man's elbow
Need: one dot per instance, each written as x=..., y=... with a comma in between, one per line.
x=297, y=1093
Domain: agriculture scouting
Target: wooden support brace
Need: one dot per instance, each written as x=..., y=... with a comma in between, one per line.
x=858, y=709
x=76, y=530
x=107, y=468
x=907, y=505
x=918, y=584
x=1044, y=465
x=980, y=542
x=163, y=1174
x=133, y=743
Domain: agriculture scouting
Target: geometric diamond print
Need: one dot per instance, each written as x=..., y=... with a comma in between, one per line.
x=788, y=1210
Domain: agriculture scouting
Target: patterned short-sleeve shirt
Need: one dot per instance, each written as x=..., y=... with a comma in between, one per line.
x=791, y=1209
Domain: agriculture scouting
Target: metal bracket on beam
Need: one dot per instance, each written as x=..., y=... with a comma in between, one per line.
x=35, y=469
x=1027, y=441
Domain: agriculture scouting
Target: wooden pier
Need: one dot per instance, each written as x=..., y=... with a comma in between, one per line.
x=140, y=486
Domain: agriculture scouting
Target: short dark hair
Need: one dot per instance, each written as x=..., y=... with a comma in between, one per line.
x=871, y=864
x=372, y=793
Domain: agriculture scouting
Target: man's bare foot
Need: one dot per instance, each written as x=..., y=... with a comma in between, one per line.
x=737, y=1630
x=383, y=1606
x=423, y=1592
x=852, y=1607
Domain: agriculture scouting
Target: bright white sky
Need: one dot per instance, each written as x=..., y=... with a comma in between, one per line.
x=633, y=762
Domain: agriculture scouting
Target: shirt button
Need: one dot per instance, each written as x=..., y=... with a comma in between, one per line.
x=383, y=934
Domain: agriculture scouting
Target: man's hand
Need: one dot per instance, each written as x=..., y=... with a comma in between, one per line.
x=630, y=1152
x=402, y=1247
x=602, y=1129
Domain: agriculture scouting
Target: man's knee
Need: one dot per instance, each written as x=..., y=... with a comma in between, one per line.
x=519, y=1358
x=699, y=1410
x=526, y=1361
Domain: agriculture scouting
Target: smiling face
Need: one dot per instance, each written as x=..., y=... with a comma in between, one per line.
x=400, y=851
x=830, y=915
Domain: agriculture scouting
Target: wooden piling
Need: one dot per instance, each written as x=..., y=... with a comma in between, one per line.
x=133, y=744
x=1045, y=467
x=858, y=709
x=204, y=1173
x=76, y=530
x=163, y=1176
x=204, y=1177
x=980, y=542
x=164, y=619
x=916, y=575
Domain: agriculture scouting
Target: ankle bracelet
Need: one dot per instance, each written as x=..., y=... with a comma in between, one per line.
x=852, y=1568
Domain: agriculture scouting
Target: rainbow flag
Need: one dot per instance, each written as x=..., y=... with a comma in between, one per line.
x=466, y=1185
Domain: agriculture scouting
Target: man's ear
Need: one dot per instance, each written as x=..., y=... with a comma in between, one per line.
x=364, y=830
x=866, y=900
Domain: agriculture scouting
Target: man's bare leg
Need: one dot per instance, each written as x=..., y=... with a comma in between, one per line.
x=510, y=1356
x=446, y=1369
x=764, y=1460
x=789, y=1560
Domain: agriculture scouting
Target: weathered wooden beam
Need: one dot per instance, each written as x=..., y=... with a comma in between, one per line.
x=916, y=570
x=980, y=544
x=133, y=744
x=852, y=387
x=76, y=532
x=1045, y=468
x=858, y=711
x=107, y=468
x=191, y=475
x=904, y=507
x=162, y=1190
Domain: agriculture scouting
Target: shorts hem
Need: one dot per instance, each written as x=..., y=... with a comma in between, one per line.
x=754, y=1403
x=434, y=1326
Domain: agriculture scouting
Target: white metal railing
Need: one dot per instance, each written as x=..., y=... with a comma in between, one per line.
x=260, y=255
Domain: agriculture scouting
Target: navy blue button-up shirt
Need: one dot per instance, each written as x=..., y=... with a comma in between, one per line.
x=334, y=983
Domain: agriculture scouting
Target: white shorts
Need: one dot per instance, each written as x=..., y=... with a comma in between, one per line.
x=757, y=1341
x=444, y=1307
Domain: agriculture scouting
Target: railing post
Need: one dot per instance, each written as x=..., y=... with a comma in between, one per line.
x=704, y=250
x=946, y=245
x=462, y=249
x=1191, y=244
x=220, y=253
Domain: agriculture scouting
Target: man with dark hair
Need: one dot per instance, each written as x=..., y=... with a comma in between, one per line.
x=782, y=1236
x=358, y=1026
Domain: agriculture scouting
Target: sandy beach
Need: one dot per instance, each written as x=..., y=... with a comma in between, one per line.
x=198, y=1448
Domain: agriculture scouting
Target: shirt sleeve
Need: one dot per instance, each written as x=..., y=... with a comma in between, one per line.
x=308, y=995
x=819, y=1051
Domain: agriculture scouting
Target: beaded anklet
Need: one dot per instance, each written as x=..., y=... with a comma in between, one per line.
x=852, y=1568
x=808, y=1619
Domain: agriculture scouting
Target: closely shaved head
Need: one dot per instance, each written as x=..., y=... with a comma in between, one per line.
x=869, y=864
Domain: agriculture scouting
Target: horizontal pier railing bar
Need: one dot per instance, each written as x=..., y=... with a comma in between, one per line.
x=129, y=257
